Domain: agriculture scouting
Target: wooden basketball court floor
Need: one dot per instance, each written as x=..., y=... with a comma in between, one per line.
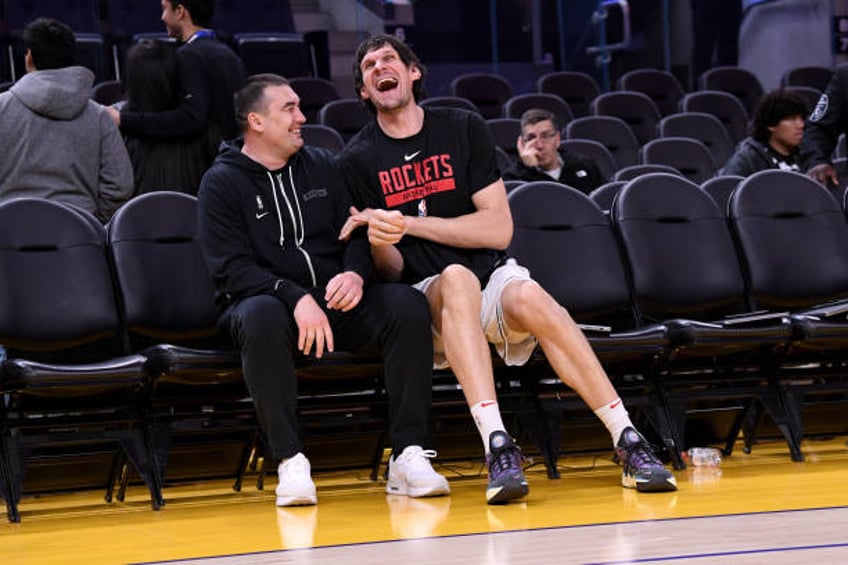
x=756, y=508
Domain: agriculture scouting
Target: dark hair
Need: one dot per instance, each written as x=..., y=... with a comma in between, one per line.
x=201, y=11
x=251, y=96
x=772, y=108
x=51, y=43
x=406, y=54
x=153, y=76
x=536, y=115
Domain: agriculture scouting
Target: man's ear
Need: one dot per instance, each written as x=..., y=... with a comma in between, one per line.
x=255, y=121
x=28, y=62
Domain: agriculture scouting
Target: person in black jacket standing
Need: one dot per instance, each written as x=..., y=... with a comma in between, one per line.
x=540, y=156
x=269, y=215
x=210, y=73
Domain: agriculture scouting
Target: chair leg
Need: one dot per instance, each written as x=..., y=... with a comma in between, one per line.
x=118, y=461
x=776, y=408
x=8, y=481
x=245, y=461
x=123, y=480
x=736, y=428
x=377, y=457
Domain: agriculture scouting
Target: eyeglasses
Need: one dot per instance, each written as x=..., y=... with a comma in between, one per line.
x=544, y=136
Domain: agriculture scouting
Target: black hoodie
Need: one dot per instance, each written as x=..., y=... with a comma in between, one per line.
x=276, y=232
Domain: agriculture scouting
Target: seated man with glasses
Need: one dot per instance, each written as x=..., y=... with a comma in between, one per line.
x=541, y=158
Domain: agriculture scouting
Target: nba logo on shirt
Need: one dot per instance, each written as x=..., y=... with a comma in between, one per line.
x=422, y=208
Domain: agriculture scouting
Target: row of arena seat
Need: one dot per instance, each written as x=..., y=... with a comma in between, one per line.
x=112, y=344
x=262, y=32
x=491, y=92
x=701, y=309
x=112, y=348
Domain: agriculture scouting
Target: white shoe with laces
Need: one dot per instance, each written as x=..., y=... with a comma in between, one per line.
x=295, y=487
x=410, y=474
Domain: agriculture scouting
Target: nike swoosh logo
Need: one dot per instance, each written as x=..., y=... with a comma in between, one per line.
x=485, y=404
x=615, y=404
x=411, y=155
x=260, y=215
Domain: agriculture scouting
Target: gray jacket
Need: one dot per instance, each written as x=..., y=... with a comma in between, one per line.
x=57, y=144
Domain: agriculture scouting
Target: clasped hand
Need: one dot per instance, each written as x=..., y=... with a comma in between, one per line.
x=385, y=227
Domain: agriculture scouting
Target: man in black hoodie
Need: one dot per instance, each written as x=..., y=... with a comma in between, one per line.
x=270, y=211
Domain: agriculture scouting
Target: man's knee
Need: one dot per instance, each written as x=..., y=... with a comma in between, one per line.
x=261, y=318
x=457, y=281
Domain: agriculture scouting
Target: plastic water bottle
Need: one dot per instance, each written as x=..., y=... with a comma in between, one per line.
x=704, y=456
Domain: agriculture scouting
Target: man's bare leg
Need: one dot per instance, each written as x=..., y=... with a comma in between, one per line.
x=528, y=308
x=455, y=303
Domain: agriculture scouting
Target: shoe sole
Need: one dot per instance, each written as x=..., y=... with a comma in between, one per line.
x=655, y=484
x=506, y=493
x=302, y=500
x=419, y=492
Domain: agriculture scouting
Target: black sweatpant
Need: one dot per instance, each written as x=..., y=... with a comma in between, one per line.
x=393, y=318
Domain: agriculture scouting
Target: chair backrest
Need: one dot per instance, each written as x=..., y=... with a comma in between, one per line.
x=56, y=289
x=809, y=94
x=108, y=92
x=687, y=155
x=633, y=171
x=314, y=92
x=679, y=249
x=322, y=136
x=738, y=81
x=612, y=132
x=594, y=150
x=503, y=159
x=512, y=184
x=724, y=106
x=166, y=290
x=636, y=109
x=285, y=54
x=660, y=86
x=720, y=188
x=505, y=132
x=566, y=241
x=811, y=76
x=346, y=116
x=449, y=102
x=706, y=128
x=794, y=238
x=488, y=92
x=575, y=88
x=520, y=103
x=604, y=195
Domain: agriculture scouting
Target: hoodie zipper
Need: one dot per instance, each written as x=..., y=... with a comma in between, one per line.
x=297, y=221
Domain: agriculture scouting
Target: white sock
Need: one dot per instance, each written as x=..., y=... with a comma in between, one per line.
x=615, y=418
x=487, y=416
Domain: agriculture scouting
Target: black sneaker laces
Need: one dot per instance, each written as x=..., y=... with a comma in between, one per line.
x=642, y=455
x=504, y=460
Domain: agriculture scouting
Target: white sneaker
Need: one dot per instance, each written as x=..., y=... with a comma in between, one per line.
x=411, y=474
x=295, y=487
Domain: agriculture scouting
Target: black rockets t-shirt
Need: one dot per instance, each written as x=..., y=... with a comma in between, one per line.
x=432, y=173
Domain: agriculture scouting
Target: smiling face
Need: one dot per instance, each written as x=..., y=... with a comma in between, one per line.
x=386, y=80
x=278, y=121
x=171, y=17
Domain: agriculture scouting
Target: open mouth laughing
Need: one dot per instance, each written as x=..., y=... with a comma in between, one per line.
x=386, y=83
